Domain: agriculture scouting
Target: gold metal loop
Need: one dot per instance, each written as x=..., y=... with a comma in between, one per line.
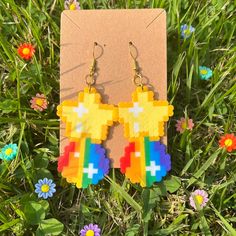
x=138, y=80
x=89, y=80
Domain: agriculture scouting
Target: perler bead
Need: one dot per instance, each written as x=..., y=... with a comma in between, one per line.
x=83, y=163
x=145, y=162
x=144, y=116
x=64, y=159
x=87, y=117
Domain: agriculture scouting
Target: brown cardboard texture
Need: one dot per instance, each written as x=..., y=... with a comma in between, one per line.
x=112, y=30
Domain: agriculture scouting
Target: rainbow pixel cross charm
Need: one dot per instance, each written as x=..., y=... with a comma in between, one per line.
x=86, y=122
x=145, y=160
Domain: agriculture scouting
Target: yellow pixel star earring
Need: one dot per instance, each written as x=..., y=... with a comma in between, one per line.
x=145, y=160
x=86, y=125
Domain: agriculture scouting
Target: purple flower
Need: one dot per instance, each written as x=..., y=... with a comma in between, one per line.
x=71, y=5
x=200, y=197
x=90, y=230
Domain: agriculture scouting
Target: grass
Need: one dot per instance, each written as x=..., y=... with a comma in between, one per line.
x=121, y=208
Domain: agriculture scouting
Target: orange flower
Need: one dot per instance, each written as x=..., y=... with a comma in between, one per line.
x=26, y=51
x=228, y=142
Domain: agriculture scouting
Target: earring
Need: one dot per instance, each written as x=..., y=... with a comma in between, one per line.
x=145, y=160
x=86, y=125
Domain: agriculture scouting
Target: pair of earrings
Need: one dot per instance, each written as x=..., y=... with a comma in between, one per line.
x=84, y=161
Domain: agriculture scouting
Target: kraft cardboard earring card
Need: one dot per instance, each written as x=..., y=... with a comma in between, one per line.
x=113, y=30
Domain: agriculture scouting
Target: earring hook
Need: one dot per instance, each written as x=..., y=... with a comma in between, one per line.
x=137, y=79
x=131, y=45
x=93, y=66
x=94, y=45
x=90, y=78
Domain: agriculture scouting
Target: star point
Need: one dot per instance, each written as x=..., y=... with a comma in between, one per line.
x=144, y=115
x=87, y=117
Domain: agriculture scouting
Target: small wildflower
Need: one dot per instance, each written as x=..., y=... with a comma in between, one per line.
x=184, y=124
x=9, y=152
x=45, y=188
x=90, y=230
x=186, y=31
x=26, y=51
x=199, y=196
x=71, y=5
x=228, y=142
x=39, y=102
x=205, y=73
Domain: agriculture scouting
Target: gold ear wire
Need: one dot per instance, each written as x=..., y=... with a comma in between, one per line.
x=130, y=50
x=90, y=78
x=137, y=79
x=94, y=45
